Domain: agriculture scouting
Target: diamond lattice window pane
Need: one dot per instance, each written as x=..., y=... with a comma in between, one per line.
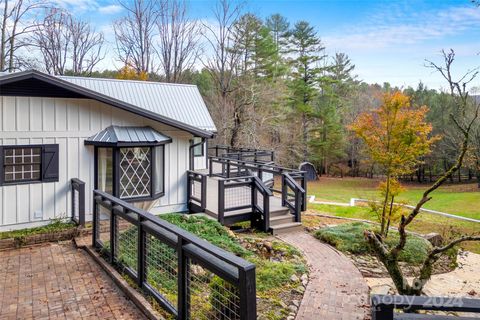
x=135, y=172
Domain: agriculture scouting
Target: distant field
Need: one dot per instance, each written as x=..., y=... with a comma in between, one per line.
x=463, y=199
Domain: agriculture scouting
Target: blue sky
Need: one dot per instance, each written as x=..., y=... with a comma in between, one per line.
x=386, y=40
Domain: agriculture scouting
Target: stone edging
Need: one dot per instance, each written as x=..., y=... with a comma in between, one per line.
x=14, y=243
x=136, y=297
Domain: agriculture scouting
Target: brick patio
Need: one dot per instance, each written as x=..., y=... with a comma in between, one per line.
x=337, y=290
x=58, y=281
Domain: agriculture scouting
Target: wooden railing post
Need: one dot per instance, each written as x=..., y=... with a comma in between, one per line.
x=81, y=205
x=203, y=186
x=141, y=253
x=182, y=282
x=221, y=201
x=382, y=312
x=210, y=167
x=248, y=295
x=95, y=222
x=304, y=186
x=189, y=191
x=113, y=235
x=298, y=206
x=284, y=191
x=266, y=212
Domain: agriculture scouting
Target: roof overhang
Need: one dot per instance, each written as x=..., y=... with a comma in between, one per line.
x=117, y=136
x=79, y=91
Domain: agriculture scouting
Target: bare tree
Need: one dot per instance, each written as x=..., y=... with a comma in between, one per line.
x=16, y=22
x=86, y=47
x=221, y=66
x=53, y=39
x=464, y=119
x=134, y=35
x=67, y=44
x=179, y=39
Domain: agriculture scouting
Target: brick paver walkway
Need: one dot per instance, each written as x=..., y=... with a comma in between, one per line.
x=58, y=281
x=337, y=290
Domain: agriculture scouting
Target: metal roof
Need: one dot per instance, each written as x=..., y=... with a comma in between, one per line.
x=176, y=105
x=118, y=136
x=180, y=102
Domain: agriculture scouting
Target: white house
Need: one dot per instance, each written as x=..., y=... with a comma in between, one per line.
x=134, y=139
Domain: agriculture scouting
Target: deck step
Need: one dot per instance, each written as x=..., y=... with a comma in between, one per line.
x=286, y=227
x=279, y=212
x=281, y=219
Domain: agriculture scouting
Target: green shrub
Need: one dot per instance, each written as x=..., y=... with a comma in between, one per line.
x=207, y=229
x=56, y=225
x=349, y=237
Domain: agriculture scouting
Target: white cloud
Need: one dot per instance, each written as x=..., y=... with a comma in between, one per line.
x=399, y=27
x=77, y=6
x=110, y=9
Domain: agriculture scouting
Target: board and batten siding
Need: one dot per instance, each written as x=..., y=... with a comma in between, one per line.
x=68, y=122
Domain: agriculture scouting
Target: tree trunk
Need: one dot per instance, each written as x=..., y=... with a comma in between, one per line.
x=3, y=38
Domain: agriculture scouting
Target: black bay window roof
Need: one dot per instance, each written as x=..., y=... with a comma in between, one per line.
x=118, y=136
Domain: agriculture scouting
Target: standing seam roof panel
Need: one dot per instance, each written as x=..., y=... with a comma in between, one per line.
x=179, y=102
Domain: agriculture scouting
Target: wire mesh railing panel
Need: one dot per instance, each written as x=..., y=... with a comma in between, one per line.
x=182, y=273
x=103, y=229
x=260, y=199
x=126, y=243
x=209, y=296
x=197, y=189
x=161, y=268
x=75, y=204
x=237, y=197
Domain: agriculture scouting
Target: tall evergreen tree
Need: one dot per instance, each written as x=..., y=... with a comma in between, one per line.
x=308, y=52
x=278, y=26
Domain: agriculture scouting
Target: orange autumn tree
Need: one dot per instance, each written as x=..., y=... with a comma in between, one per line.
x=129, y=73
x=397, y=137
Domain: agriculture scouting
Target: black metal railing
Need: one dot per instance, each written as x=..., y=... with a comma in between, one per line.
x=250, y=154
x=244, y=192
x=78, y=201
x=196, y=191
x=189, y=277
x=293, y=196
x=383, y=307
x=267, y=172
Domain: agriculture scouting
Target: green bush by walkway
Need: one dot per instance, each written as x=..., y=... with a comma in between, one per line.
x=349, y=237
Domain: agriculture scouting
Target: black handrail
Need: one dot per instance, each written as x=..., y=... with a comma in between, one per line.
x=78, y=186
x=383, y=306
x=298, y=193
x=235, y=270
x=236, y=151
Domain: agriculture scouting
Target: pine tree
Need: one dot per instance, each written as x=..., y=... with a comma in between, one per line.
x=308, y=51
x=278, y=26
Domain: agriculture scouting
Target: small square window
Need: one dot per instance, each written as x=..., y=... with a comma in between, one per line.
x=22, y=164
x=198, y=150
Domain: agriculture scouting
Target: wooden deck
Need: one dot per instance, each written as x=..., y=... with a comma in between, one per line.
x=281, y=219
x=233, y=198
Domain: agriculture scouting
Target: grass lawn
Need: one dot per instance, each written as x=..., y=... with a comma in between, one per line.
x=460, y=199
x=424, y=223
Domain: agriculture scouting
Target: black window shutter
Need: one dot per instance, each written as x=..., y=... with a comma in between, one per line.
x=50, y=163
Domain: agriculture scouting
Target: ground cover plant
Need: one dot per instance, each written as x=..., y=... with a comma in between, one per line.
x=349, y=237
x=276, y=264
x=54, y=226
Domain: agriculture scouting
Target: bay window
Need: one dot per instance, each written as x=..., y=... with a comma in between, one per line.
x=131, y=173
